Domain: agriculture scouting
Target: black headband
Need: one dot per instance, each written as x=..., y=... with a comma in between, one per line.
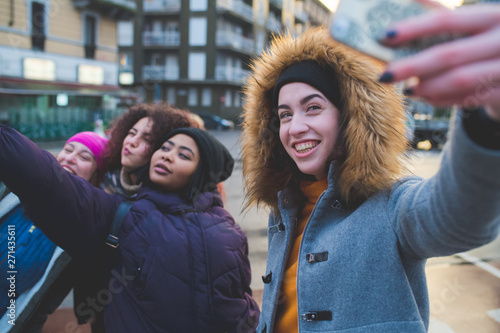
x=311, y=72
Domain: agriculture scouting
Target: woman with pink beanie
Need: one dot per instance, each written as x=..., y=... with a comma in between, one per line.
x=44, y=276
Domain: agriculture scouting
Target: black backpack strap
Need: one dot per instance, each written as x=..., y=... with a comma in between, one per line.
x=112, y=239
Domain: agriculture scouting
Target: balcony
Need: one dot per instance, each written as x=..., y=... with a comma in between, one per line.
x=119, y=9
x=234, y=40
x=162, y=6
x=161, y=38
x=276, y=3
x=160, y=73
x=273, y=24
x=237, y=7
x=300, y=16
x=224, y=73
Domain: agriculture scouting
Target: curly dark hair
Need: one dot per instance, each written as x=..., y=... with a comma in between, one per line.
x=165, y=119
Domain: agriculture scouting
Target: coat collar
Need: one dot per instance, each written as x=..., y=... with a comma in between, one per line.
x=172, y=203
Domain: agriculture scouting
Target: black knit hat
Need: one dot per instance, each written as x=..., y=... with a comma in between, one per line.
x=314, y=74
x=216, y=163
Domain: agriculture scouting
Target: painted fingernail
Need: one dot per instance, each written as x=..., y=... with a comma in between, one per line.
x=386, y=77
x=391, y=34
x=408, y=91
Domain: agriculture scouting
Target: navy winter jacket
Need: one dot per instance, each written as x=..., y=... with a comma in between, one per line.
x=180, y=267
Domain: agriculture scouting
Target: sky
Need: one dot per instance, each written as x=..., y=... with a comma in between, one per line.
x=332, y=4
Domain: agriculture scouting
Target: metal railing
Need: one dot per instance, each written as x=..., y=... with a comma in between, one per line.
x=167, y=38
x=273, y=24
x=233, y=39
x=162, y=6
x=238, y=7
x=231, y=74
x=152, y=72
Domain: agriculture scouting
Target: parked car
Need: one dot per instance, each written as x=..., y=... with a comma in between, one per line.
x=215, y=122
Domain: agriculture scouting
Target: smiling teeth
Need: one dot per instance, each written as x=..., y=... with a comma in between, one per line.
x=69, y=170
x=305, y=147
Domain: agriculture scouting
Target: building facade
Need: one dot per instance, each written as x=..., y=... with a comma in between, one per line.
x=59, y=64
x=195, y=54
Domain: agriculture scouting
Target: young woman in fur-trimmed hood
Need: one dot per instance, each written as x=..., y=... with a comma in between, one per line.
x=323, y=148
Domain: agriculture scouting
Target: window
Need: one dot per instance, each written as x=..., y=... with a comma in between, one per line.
x=227, y=100
x=171, y=95
x=198, y=5
x=125, y=33
x=237, y=99
x=157, y=93
x=197, y=66
x=156, y=59
x=206, y=97
x=90, y=36
x=125, y=60
x=38, y=26
x=193, y=97
x=198, y=31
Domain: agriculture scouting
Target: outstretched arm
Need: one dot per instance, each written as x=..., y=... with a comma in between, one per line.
x=455, y=210
x=71, y=212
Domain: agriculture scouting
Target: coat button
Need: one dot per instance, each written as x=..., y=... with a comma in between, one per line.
x=286, y=201
x=336, y=205
x=267, y=278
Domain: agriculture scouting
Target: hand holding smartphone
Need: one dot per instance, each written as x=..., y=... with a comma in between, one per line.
x=463, y=72
x=361, y=24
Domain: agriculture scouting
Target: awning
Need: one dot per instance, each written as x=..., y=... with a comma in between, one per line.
x=18, y=86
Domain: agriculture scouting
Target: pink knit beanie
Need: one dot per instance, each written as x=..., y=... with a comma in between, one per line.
x=96, y=144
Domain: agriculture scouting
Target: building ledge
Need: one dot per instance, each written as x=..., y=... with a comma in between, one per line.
x=118, y=9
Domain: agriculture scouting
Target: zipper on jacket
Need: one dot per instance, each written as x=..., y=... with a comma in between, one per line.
x=207, y=259
x=300, y=250
x=191, y=275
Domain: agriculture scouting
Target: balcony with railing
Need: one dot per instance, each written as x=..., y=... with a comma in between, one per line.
x=276, y=3
x=122, y=9
x=161, y=38
x=162, y=6
x=300, y=15
x=231, y=74
x=238, y=7
x=235, y=40
x=152, y=72
x=273, y=24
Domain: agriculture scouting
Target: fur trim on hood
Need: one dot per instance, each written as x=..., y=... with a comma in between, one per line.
x=371, y=138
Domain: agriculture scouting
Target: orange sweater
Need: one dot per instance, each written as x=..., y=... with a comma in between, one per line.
x=287, y=316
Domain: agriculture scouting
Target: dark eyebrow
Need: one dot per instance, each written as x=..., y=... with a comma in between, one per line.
x=308, y=98
x=182, y=147
x=302, y=101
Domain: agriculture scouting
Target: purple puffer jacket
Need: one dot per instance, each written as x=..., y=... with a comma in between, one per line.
x=180, y=267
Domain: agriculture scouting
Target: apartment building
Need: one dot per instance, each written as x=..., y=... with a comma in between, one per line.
x=195, y=54
x=59, y=64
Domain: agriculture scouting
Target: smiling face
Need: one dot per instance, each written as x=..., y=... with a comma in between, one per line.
x=136, y=145
x=76, y=158
x=174, y=164
x=309, y=127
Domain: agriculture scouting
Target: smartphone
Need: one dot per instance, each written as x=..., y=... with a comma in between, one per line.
x=360, y=24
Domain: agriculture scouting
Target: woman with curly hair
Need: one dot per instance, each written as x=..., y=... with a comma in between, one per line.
x=132, y=139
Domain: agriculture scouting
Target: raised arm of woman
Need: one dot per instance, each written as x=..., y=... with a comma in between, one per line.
x=465, y=72
x=71, y=212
